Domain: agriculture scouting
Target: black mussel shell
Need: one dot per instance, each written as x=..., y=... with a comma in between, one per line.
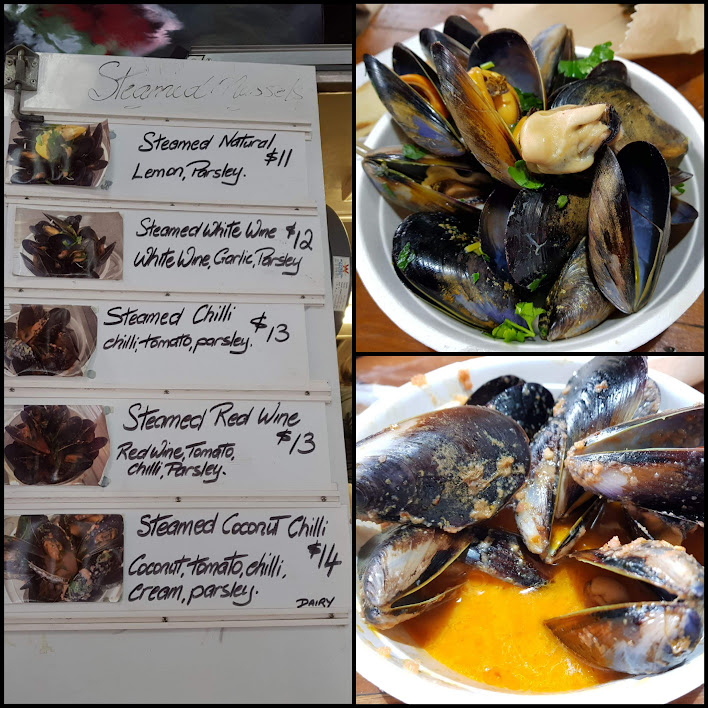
x=574, y=304
x=529, y=404
x=610, y=70
x=432, y=255
x=461, y=30
x=550, y=46
x=486, y=392
x=428, y=37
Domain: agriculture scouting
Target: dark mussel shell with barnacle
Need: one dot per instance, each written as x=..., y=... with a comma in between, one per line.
x=52, y=446
x=41, y=342
x=542, y=201
x=66, y=557
x=61, y=248
x=439, y=478
x=57, y=154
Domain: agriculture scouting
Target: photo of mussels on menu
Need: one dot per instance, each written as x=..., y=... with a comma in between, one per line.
x=172, y=432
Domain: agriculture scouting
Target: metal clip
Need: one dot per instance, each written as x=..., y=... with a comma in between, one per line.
x=21, y=74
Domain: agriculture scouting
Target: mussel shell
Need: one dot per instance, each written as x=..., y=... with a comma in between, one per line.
x=441, y=271
x=449, y=468
x=655, y=526
x=399, y=179
x=540, y=236
x=492, y=388
x=418, y=120
x=574, y=305
x=461, y=30
x=492, y=228
x=563, y=540
x=428, y=37
x=651, y=400
x=501, y=554
x=605, y=391
x=682, y=212
x=610, y=70
x=629, y=224
x=405, y=61
x=513, y=58
x=529, y=404
x=484, y=132
x=535, y=500
x=550, y=46
x=639, y=122
x=636, y=638
x=658, y=563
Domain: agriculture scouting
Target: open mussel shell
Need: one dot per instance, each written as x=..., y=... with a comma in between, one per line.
x=639, y=122
x=512, y=57
x=610, y=70
x=682, y=212
x=654, y=462
x=501, y=554
x=461, y=30
x=667, y=567
x=492, y=228
x=529, y=404
x=415, y=116
x=492, y=388
x=394, y=568
x=535, y=500
x=655, y=526
x=564, y=536
x=604, y=392
x=405, y=61
x=574, y=304
x=433, y=258
x=636, y=638
x=629, y=224
x=428, y=183
x=651, y=400
x=449, y=468
x=428, y=37
x=550, y=46
x=484, y=132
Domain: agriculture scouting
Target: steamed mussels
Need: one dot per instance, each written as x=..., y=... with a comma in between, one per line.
x=438, y=480
x=572, y=177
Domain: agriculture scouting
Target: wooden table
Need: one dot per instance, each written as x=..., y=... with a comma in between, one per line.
x=396, y=371
x=375, y=332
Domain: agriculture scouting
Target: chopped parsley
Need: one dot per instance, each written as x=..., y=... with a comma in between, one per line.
x=562, y=201
x=511, y=332
x=520, y=174
x=405, y=257
x=536, y=283
x=528, y=101
x=580, y=68
x=413, y=152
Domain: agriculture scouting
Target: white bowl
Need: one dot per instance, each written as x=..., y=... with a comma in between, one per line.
x=434, y=683
x=680, y=282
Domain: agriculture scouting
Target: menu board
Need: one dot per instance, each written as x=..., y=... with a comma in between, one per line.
x=172, y=432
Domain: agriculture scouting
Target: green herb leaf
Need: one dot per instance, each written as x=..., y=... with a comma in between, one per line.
x=561, y=201
x=680, y=188
x=520, y=174
x=511, y=332
x=405, y=257
x=528, y=100
x=475, y=277
x=536, y=283
x=413, y=152
x=580, y=68
x=487, y=65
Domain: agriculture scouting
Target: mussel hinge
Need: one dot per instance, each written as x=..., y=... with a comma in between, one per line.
x=21, y=74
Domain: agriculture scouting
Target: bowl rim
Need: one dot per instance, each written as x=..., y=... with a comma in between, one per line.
x=443, y=333
x=391, y=675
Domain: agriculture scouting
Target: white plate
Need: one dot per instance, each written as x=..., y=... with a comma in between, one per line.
x=434, y=683
x=680, y=282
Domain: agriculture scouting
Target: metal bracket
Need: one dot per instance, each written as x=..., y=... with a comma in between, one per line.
x=22, y=74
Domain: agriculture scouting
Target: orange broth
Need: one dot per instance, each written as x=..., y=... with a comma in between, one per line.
x=494, y=632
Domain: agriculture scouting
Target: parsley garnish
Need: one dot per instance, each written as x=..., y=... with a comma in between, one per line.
x=580, y=68
x=405, y=257
x=521, y=176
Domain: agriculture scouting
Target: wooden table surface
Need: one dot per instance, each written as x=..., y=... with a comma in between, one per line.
x=375, y=332
x=396, y=371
